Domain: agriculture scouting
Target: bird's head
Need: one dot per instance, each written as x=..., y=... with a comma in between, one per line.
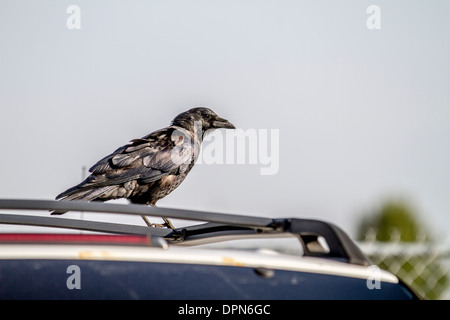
x=204, y=118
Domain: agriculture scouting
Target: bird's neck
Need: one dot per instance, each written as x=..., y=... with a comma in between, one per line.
x=193, y=126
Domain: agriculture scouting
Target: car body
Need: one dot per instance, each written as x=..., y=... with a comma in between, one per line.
x=199, y=262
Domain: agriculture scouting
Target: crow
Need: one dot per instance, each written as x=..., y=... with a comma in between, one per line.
x=148, y=169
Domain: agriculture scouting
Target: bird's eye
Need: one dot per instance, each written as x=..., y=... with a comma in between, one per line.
x=207, y=116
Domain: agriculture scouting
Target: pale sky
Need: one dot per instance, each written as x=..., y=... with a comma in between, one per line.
x=363, y=115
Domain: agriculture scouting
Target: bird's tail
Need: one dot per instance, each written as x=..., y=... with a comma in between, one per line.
x=83, y=194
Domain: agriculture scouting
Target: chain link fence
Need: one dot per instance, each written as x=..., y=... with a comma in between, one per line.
x=423, y=265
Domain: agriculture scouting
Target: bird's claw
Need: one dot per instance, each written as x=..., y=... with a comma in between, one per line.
x=157, y=225
x=167, y=223
x=163, y=225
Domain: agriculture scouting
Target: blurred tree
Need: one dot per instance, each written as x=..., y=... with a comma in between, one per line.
x=395, y=221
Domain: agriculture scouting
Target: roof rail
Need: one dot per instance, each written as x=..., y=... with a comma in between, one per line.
x=219, y=225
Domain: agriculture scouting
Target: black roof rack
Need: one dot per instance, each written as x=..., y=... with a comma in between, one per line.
x=218, y=226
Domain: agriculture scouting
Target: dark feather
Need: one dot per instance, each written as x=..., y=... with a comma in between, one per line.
x=149, y=168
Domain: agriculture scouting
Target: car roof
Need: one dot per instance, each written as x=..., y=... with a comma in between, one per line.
x=325, y=249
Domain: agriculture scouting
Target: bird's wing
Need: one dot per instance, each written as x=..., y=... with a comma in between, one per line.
x=148, y=159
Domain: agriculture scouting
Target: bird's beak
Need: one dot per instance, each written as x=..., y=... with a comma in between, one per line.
x=223, y=123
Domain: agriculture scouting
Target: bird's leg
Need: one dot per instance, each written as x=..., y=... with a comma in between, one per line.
x=168, y=223
x=148, y=223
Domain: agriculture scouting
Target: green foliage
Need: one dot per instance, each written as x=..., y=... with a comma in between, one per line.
x=395, y=221
x=394, y=218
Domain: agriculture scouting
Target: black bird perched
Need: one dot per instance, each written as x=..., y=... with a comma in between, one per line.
x=148, y=169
